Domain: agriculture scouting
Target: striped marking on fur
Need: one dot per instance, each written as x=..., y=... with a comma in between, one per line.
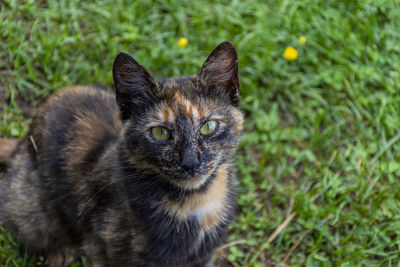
x=180, y=103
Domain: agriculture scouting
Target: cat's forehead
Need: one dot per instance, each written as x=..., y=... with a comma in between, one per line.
x=167, y=87
x=180, y=96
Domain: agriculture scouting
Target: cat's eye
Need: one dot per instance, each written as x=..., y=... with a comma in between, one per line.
x=208, y=127
x=161, y=133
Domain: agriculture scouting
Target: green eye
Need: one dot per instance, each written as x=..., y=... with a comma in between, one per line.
x=208, y=127
x=161, y=133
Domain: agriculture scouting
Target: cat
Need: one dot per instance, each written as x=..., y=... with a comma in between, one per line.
x=144, y=177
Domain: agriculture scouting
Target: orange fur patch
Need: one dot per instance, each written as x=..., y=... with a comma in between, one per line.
x=238, y=116
x=7, y=146
x=166, y=115
x=169, y=111
x=201, y=113
x=188, y=107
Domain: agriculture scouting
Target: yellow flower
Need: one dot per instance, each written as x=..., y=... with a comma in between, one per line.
x=182, y=42
x=290, y=53
x=302, y=39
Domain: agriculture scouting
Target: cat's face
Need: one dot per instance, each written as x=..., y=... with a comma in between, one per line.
x=182, y=128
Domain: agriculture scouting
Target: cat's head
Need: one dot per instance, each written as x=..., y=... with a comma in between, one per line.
x=183, y=128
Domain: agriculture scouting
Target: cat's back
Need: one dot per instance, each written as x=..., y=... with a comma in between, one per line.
x=72, y=103
x=72, y=128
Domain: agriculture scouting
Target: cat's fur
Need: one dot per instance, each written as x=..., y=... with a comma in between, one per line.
x=90, y=176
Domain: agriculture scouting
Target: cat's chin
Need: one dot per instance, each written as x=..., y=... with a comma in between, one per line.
x=195, y=181
x=192, y=183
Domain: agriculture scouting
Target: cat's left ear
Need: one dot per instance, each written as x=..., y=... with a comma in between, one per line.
x=220, y=72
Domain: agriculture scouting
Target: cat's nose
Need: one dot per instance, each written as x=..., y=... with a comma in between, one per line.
x=190, y=159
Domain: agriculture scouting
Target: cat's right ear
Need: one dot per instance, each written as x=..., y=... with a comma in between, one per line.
x=219, y=73
x=133, y=85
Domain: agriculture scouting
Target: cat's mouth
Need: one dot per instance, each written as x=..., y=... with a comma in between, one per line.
x=193, y=181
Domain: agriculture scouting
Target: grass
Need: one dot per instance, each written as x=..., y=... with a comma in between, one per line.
x=319, y=163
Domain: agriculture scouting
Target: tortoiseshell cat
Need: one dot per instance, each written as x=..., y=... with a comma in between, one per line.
x=146, y=180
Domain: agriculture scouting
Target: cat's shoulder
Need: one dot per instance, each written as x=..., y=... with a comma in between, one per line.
x=76, y=113
x=78, y=99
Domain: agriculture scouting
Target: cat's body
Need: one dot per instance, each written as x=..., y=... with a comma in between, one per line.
x=92, y=174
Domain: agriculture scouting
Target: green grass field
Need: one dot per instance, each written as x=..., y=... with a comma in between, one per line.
x=319, y=163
